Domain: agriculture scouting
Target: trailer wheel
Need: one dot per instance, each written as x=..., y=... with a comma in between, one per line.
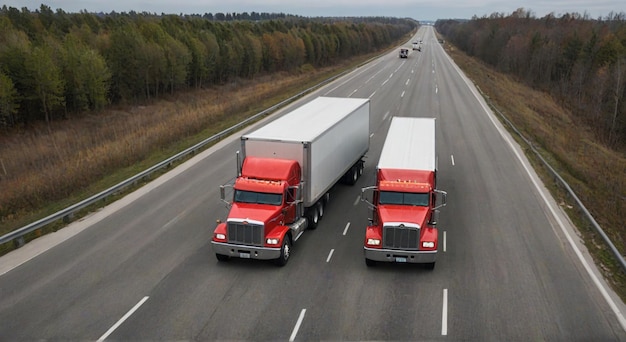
x=370, y=263
x=313, y=217
x=285, y=252
x=222, y=257
x=353, y=175
x=320, y=208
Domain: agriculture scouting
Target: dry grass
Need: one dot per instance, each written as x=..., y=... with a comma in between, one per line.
x=595, y=173
x=48, y=163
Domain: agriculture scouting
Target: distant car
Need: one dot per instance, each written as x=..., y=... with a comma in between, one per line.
x=404, y=53
x=417, y=46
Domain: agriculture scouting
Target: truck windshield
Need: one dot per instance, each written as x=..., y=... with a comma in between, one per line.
x=258, y=197
x=403, y=198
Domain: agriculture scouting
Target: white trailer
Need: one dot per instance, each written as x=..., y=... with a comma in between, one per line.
x=328, y=136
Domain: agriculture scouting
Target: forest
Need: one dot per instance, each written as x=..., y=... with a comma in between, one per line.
x=54, y=64
x=579, y=61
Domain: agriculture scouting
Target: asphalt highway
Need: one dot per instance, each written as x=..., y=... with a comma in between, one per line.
x=510, y=265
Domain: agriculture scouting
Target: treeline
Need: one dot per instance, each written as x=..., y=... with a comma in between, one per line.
x=580, y=61
x=56, y=63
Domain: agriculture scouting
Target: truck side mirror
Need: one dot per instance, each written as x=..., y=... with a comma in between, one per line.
x=222, y=193
x=364, y=197
x=444, y=199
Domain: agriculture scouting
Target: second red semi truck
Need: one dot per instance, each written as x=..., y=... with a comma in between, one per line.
x=405, y=198
x=286, y=171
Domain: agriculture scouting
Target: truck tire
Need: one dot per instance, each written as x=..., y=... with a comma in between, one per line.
x=353, y=175
x=312, y=217
x=285, y=252
x=320, y=208
x=222, y=257
x=370, y=263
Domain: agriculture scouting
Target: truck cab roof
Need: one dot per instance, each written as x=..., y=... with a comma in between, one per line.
x=269, y=169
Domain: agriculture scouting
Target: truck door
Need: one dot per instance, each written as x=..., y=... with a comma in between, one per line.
x=291, y=204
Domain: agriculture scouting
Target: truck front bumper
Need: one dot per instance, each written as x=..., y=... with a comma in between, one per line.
x=245, y=252
x=394, y=255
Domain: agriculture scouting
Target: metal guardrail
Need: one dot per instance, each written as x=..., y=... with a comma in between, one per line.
x=17, y=236
x=585, y=213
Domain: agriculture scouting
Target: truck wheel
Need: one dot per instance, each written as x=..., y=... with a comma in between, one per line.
x=285, y=252
x=313, y=217
x=320, y=208
x=222, y=257
x=353, y=175
x=370, y=263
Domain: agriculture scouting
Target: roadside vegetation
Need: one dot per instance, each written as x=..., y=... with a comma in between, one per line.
x=561, y=81
x=54, y=154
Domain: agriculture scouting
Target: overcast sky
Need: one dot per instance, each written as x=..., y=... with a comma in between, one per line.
x=416, y=9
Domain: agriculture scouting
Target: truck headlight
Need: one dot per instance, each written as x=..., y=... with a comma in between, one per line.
x=272, y=241
x=428, y=244
x=373, y=242
x=220, y=236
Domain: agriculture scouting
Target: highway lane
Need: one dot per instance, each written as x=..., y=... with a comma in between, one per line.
x=508, y=272
x=517, y=278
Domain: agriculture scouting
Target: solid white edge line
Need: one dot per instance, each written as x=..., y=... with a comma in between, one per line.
x=330, y=255
x=444, y=313
x=579, y=254
x=297, y=327
x=125, y=317
x=444, y=241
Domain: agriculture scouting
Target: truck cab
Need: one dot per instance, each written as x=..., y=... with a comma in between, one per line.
x=265, y=214
x=404, y=217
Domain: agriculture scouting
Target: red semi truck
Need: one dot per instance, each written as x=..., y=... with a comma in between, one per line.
x=405, y=200
x=288, y=168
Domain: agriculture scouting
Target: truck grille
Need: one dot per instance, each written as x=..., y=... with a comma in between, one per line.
x=245, y=234
x=401, y=237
